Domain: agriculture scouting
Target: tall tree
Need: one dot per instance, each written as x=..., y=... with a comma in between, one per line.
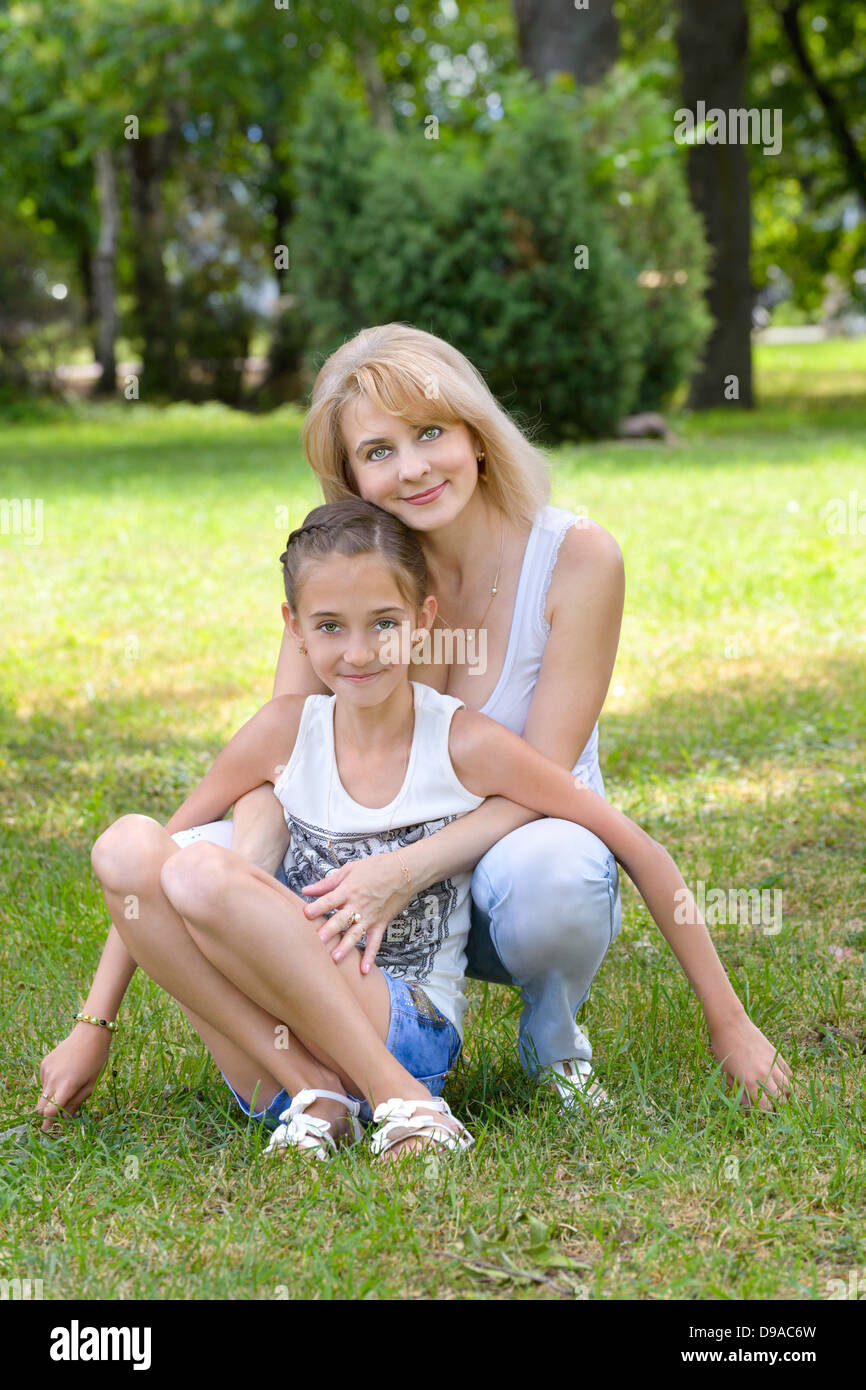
x=104, y=269
x=713, y=43
x=557, y=37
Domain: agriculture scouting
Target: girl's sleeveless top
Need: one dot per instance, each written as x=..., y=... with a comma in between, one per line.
x=509, y=702
x=426, y=943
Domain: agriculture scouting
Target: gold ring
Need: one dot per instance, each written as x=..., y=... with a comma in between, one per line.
x=354, y=919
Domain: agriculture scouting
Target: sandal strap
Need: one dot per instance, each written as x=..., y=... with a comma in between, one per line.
x=353, y=1106
x=399, y=1115
x=583, y=1083
x=302, y=1131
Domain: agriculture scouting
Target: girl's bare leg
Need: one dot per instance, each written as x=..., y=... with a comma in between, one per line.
x=254, y=931
x=240, y=1035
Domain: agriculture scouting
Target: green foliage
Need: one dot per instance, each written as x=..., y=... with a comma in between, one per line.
x=478, y=242
x=639, y=178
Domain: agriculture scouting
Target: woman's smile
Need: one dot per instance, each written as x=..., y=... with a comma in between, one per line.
x=421, y=498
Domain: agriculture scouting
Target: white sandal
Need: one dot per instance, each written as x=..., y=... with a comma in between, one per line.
x=397, y=1121
x=302, y=1131
x=577, y=1087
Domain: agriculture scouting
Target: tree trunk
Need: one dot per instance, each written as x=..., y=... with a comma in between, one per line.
x=104, y=264
x=155, y=312
x=374, y=82
x=556, y=36
x=713, y=45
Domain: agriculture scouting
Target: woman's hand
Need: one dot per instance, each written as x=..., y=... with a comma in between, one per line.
x=748, y=1059
x=70, y=1072
x=375, y=888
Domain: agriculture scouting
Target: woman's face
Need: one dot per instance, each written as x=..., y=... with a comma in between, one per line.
x=425, y=474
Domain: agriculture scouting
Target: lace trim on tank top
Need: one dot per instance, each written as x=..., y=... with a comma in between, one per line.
x=543, y=624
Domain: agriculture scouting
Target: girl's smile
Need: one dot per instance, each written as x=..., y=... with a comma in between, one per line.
x=349, y=608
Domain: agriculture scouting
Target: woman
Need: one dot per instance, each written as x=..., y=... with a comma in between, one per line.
x=535, y=596
x=530, y=605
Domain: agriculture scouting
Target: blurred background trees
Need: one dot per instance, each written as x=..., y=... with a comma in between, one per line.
x=186, y=186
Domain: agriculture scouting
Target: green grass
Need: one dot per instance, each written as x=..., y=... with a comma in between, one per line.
x=142, y=632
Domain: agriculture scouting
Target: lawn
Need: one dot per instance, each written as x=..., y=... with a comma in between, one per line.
x=144, y=629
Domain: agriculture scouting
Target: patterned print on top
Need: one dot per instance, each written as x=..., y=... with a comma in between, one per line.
x=412, y=940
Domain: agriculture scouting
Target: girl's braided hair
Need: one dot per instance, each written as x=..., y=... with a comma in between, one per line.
x=356, y=527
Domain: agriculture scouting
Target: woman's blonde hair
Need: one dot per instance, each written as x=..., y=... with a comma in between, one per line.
x=417, y=376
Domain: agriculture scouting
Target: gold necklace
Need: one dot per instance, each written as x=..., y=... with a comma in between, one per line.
x=493, y=592
x=400, y=793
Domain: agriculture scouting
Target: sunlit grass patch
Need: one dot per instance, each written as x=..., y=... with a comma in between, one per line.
x=145, y=629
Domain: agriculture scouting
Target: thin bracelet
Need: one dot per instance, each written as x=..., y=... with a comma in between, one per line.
x=406, y=873
x=100, y=1022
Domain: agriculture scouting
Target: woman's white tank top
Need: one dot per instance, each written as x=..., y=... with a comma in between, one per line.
x=509, y=702
x=426, y=943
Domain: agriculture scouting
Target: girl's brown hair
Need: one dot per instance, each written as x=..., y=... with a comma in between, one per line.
x=356, y=527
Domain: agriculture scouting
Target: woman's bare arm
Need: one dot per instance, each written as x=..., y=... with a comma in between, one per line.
x=490, y=759
x=259, y=830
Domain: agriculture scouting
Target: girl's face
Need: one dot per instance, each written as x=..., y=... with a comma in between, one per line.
x=425, y=474
x=350, y=613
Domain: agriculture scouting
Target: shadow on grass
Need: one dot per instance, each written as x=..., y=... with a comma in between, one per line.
x=673, y=736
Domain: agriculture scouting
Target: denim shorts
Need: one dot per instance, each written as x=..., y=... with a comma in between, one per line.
x=421, y=1038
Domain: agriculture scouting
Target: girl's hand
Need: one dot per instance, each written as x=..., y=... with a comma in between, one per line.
x=375, y=888
x=748, y=1059
x=70, y=1072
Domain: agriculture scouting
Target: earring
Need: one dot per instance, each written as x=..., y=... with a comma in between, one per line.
x=481, y=460
x=302, y=649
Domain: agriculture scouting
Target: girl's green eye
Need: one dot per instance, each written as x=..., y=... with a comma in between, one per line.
x=374, y=452
x=432, y=427
x=391, y=622
x=323, y=626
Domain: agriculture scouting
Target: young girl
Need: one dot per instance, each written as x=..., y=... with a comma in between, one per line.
x=234, y=947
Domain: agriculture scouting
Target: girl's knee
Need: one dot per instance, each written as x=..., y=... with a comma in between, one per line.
x=127, y=857
x=196, y=878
